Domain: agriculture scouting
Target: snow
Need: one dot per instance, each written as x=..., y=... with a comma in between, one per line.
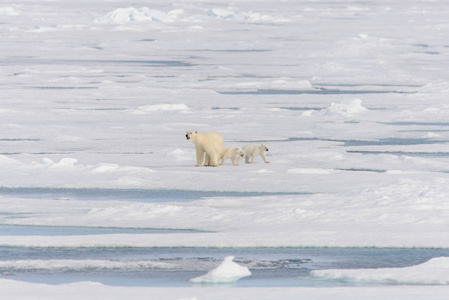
x=91, y=290
x=132, y=14
x=433, y=272
x=228, y=271
x=347, y=108
x=352, y=97
x=160, y=108
x=8, y=11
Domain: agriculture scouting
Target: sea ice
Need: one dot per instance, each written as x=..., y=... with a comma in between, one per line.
x=432, y=272
x=227, y=272
x=349, y=107
x=132, y=14
x=352, y=98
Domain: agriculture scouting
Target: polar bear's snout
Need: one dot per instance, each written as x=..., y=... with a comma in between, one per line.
x=187, y=136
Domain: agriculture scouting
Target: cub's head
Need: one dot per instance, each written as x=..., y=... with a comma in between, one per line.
x=190, y=135
x=265, y=146
x=239, y=152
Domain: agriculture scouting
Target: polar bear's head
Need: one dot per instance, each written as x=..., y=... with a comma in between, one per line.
x=190, y=135
x=265, y=146
x=239, y=152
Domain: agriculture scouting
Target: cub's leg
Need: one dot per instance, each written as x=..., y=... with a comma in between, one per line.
x=264, y=156
x=253, y=159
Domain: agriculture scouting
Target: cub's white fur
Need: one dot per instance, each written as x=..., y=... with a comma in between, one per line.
x=252, y=151
x=233, y=154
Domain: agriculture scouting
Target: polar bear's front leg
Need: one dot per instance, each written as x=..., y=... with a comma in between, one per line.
x=199, y=156
x=207, y=161
x=253, y=159
x=238, y=159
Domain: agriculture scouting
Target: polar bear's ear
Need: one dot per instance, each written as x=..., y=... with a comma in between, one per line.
x=196, y=131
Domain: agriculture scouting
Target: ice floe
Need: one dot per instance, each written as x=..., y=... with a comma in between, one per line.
x=432, y=272
x=227, y=272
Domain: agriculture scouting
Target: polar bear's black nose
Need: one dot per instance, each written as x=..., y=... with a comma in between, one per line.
x=187, y=136
x=267, y=149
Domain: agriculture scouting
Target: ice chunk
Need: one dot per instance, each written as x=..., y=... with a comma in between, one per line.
x=8, y=11
x=63, y=163
x=106, y=168
x=221, y=13
x=432, y=272
x=227, y=272
x=5, y=161
x=160, y=108
x=346, y=108
x=132, y=14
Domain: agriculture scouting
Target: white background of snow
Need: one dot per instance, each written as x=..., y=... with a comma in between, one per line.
x=99, y=95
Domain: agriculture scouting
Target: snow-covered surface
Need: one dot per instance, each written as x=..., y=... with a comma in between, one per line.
x=433, y=272
x=228, y=271
x=351, y=96
x=91, y=290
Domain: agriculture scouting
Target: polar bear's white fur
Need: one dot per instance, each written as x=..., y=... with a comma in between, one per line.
x=211, y=144
x=233, y=154
x=252, y=151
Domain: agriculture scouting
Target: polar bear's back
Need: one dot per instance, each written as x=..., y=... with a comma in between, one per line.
x=249, y=149
x=215, y=138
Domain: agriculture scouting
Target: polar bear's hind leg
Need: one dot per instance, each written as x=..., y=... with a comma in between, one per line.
x=213, y=159
x=208, y=160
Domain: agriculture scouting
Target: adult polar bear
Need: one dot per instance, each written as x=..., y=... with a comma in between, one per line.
x=211, y=143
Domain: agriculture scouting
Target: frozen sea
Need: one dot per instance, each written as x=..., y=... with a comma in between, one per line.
x=99, y=196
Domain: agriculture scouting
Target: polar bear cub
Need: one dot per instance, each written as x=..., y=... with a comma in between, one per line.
x=233, y=154
x=211, y=144
x=252, y=151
